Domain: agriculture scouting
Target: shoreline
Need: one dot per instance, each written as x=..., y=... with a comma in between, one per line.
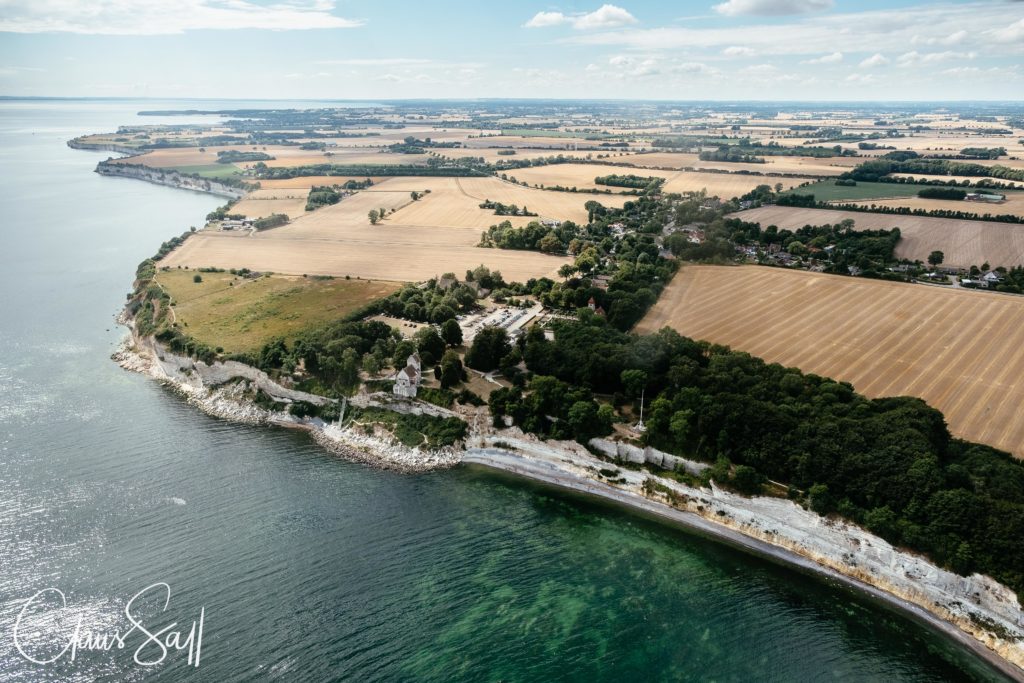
x=715, y=514
x=692, y=523
x=807, y=542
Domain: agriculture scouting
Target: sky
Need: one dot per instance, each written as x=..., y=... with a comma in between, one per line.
x=632, y=49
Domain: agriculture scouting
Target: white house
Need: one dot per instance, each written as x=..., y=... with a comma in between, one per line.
x=407, y=381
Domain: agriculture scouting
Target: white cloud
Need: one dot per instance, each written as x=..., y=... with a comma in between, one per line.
x=148, y=17
x=877, y=59
x=973, y=72
x=954, y=38
x=773, y=8
x=545, y=19
x=915, y=58
x=760, y=70
x=831, y=58
x=861, y=78
x=693, y=68
x=738, y=51
x=1010, y=34
x=973, y=26
x=383, y=61
x=606, y=16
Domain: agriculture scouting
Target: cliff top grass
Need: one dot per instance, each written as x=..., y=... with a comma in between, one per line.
x=241, y=314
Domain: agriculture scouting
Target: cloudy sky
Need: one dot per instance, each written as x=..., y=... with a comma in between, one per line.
x=715, y=49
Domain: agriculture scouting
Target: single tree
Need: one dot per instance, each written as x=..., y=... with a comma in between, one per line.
x=451, y=332
x=374, y=216
x=935, y=258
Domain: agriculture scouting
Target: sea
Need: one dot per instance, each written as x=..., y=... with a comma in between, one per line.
x=141, y=539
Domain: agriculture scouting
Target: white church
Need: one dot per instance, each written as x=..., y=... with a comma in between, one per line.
x=407, y=381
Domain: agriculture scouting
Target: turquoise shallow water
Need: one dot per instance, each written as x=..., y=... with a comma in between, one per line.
x=311, y=568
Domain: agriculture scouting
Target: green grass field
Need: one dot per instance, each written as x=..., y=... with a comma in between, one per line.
x=828, y=191
x=211, y=171
x=241, y=315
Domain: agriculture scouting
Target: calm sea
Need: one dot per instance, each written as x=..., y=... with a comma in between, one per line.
x=307, y=567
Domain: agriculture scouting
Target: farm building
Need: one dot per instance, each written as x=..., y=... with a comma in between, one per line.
x=991, y=197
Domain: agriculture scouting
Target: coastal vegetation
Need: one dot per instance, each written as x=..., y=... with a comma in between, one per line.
x=889, y=464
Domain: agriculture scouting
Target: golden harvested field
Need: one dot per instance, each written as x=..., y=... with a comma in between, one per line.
x=419, y=241
x=964, y=243
x=256, y=208
x=1014, y=205
x=241, y=315
x=724, y=185
x=306, y=182
x=562, y=144
x=181, y=156
x=296, y=157
x=283, y=193
x=959, y=350
x=549, y=204
x=780, y=164
x=491, y=155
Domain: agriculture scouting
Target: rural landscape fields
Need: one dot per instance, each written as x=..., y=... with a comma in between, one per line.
x=963, y=242
x=958, y=350
x=409, y=200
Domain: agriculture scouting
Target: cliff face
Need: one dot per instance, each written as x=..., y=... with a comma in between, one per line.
x=976, y=605
x=170, y=178
x=78, y=143
x=976, y=610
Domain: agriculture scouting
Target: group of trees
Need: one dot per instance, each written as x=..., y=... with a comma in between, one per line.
x=941, y=193
x=647, y=184
x=983, y=152
x=436, y=302
x=274, y=220
x=322, y=195
x=506, y=209
x=231, y=156
x=533, y=236
x=877, y=170
x=889, y=464
x=732, y=154
x=440, y=169
x=553, y=409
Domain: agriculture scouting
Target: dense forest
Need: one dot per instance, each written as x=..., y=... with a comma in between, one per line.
x=889, y=464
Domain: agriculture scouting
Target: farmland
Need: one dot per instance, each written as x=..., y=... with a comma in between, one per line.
x=1014, y=204
x=724, y=185
x=417, y=240
x=811, y=166
x=963, y=242
x=255, y=207
x=241, y=314
x=958, y=350
x=828, y=191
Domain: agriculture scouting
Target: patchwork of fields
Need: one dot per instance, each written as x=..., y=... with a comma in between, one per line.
x=417, y=240
x=959, y=350
x=963, y=242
